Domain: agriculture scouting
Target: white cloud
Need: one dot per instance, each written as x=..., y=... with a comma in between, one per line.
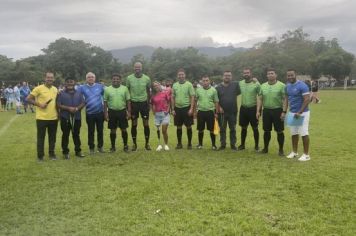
x=28, y=26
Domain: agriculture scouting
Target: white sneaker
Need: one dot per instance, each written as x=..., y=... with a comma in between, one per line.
x=166, y=148
x=159, y=148
x=304, y=158
x=292, y=155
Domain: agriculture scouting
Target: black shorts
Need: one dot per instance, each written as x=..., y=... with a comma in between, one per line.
x=248, y=116
x=205, y=117
x=117, y=119
x=182, y=117
x=272, y=116
x=140, y=108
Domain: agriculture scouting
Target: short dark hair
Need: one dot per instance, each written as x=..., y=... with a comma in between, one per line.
x=227, y=71
x=270, y=69
x=69, y=78
x=116, y=75
x=181, y=70
x=247, y=68
x=291, y=69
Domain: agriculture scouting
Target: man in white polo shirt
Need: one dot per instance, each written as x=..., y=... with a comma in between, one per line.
x=298, y=98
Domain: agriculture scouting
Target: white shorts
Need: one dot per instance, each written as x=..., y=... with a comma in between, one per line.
x=162, y=118
x=302, y=130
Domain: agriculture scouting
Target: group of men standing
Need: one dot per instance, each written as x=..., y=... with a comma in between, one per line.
x=118, y=103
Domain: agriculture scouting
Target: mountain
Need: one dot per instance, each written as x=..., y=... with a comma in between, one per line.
x=124, y=55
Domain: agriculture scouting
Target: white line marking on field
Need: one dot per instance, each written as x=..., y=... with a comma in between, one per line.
x=5, y=127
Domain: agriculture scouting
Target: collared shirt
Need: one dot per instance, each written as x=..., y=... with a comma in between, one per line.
x=228, y=96
x=43, y=94
x=206, y=98
x=93, y=95
x=71, y=100
x=295, y=93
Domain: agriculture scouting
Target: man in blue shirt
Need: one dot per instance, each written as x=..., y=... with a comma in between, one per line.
x=24, y=92
x=70, y=102
x=93, y=94
x=298, y=98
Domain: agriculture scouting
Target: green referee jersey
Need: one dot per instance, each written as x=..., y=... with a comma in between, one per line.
x=206, y=98
x=182, y=93
x=116, y=97
x=138, y=87
x=249, y=93
x=273, y=95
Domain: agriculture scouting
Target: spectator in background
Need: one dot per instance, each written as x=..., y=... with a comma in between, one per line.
x=314, y=94
x=3, y=98
x=17, y=96
x=24, y=92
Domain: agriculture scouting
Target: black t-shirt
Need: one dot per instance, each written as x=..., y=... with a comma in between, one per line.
x=228, y=96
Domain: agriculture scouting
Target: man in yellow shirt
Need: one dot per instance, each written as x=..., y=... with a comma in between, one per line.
x=44, y=97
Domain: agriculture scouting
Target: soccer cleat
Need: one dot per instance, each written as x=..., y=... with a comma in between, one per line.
x=166, y=148
x=53, y=157
x=159, y=148
x=179, y=146
x=214, y=148
x=126, y=148
x=281, y=153
x=112, y=150
x=221, y=148
x=241, y=147
x=189, y=147
x=292, y=155
x=66, y=156
x=134, y=148
x=304, y=157
x=257, y=149
x=101, y=150
x=148, y=147
x=91, y=152
x=234, y=148
x=199, y=146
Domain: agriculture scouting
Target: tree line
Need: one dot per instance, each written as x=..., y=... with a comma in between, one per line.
x=294, y=49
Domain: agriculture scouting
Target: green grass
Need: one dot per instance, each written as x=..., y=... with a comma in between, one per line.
x=198, y=192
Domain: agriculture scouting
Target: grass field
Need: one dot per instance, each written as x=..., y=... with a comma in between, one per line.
x=198, y=192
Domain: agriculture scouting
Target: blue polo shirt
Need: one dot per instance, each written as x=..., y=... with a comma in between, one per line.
x=93, y=95
x=295, y=93
x=72, y=100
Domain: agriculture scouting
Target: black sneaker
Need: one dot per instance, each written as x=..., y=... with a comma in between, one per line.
x=257, y=149
x=126, y=148
x=112, y=150
x=66, y=156
x=241, y=147
x=264, y=151
x=179, y=146
x=147, y=147
x=189, y=147
x=234, y=148
x=134, y=148
x=79, y=154
x=281, y=153
x=101, y=150
x=221, y=148
x=199, y=146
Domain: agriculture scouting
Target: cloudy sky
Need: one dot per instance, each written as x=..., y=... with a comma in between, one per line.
x=27, y=26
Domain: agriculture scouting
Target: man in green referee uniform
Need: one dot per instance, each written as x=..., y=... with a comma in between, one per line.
x=183, y=107
x=207, y=104
x=139, y=86
x=272, y=97
x=249, y=114
x=117, y=109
